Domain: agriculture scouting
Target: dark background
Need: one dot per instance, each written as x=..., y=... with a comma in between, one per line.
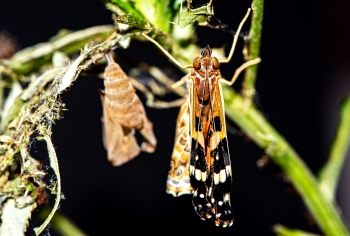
x=301, y=80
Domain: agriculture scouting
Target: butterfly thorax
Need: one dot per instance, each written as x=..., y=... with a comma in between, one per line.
x=206, y=74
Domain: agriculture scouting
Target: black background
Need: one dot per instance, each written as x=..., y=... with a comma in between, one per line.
x=302, y=78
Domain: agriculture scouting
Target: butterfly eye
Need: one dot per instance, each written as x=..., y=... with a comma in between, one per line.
x=178, y=172
x=197, y=63
x=215, y=62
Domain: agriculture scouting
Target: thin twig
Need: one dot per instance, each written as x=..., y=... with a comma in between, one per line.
x=329, y=175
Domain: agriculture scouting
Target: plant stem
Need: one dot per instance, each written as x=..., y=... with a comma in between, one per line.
x=31, y=58
x=61, y=223
x=254, y=124
x=329, y=175
x=254, y=49
x=281, y=230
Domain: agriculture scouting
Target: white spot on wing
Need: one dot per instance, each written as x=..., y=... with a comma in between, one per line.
x=216, y=178
x=192, y=169
x=228, y=170
x=222, y=175
x=209, y=191
x=197, y=174
x=204, y=176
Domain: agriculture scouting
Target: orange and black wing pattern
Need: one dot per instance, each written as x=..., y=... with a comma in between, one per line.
x=178, y=182
x=210, y=165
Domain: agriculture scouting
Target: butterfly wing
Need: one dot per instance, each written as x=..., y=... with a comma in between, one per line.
x=178, y=182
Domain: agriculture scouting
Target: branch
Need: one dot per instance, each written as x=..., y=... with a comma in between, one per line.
x=31, y=58
x=35, y=109
x=254, y=49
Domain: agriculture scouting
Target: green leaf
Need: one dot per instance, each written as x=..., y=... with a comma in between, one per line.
x=158, y=13
x=131, y=20
x=128, y=7
x=190, y=16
